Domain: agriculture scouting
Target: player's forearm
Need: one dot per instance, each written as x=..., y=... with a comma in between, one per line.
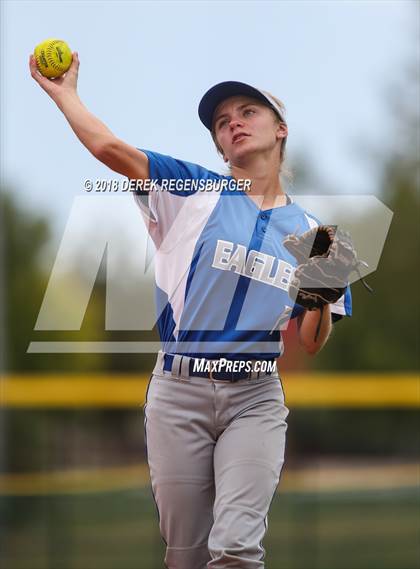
x=308, y=328
x=91, y=132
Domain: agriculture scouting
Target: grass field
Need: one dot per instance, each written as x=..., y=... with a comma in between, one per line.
x=118, y=530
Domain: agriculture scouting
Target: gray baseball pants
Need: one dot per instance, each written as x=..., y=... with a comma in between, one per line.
x=215, y=451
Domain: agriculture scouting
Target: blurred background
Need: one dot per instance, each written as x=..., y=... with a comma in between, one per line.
x=74, y=486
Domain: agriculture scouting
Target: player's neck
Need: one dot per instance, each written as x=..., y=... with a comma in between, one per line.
x=266, y=186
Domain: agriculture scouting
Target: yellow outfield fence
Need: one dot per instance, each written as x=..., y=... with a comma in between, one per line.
x=364, y=390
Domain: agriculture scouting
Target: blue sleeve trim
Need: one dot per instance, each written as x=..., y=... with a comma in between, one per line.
x=163, y=167
x=348, y=307
x=297, y=310
x=348, y=303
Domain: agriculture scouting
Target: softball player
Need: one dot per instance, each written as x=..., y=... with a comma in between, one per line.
x=215, y=413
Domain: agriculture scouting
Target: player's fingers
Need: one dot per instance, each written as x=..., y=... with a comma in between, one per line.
x=42, y=81
x=75, y=63
x=31, y=62
x=71, y=75
x=33, y=68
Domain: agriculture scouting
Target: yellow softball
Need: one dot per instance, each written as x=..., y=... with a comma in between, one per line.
x=53, y=57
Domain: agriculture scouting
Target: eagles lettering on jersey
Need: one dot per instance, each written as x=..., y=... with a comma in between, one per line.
x=221, y=270
x=255, y=265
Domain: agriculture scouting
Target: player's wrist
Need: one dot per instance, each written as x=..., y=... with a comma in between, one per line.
x=67, y=100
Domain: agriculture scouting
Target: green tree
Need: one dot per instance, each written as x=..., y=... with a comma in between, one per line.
x=24, y=278
x=383, y=333
x=23, y=238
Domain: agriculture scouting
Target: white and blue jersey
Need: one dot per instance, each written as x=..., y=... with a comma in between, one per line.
x=222, y=272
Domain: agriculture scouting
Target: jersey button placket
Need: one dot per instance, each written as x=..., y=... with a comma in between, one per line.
x=262, y=224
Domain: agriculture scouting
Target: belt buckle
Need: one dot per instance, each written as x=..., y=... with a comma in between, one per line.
x=211, y=370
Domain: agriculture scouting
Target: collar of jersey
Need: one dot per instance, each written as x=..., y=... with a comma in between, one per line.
x=287, y=207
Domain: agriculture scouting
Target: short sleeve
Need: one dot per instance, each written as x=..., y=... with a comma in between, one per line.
x=161, y=204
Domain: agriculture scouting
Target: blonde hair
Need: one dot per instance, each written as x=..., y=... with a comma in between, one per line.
x=282, y=170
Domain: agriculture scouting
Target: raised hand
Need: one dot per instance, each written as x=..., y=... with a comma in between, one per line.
x=61, y=86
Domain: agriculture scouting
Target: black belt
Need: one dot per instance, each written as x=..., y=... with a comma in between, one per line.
x=220, y=375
